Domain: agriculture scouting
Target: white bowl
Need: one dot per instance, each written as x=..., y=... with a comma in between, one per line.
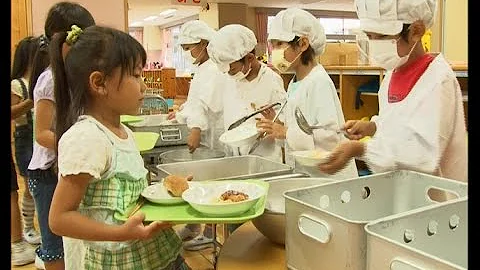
x=311, y=158
x=205, y=198
x=157, y=193
x=245, y=134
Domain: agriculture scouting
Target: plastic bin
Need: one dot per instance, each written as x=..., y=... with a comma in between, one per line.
x=431, y=238
x=325, y=224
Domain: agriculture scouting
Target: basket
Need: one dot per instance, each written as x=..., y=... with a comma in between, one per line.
x=432, y=238
x=154, y=104
x=325, y=224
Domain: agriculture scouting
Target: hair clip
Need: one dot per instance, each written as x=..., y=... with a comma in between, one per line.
x=73, y=35
x=43, y=42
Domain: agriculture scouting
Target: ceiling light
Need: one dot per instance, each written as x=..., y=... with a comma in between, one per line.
x=167, y=12
x=150, y=18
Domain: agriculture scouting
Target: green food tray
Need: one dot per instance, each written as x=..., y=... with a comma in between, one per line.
x=130, y=118
x=184, y=213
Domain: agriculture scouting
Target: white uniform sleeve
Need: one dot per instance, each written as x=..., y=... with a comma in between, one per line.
x=198, y=118
x=206, y=102
x=84, y=149
x=418, y=143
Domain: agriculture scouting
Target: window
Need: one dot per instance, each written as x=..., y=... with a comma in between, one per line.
x=177, y=60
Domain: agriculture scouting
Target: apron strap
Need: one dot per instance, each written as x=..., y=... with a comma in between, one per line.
x=25, y=96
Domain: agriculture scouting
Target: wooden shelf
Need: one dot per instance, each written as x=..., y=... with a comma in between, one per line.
x=163, y=79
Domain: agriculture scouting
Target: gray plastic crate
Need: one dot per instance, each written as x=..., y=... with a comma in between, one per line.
x=432, y=238
x=325, y=224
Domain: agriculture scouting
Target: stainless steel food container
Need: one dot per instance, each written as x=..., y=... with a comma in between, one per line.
x=325, y=224
x=183, y=155
x=272, y=222
x=238, y=167
x=170, y=133
x=431, y=238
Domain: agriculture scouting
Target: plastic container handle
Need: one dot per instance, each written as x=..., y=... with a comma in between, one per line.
x=399, y=264
x=315, y=229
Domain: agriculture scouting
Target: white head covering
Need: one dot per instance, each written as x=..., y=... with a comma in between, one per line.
x=231, y=43
x=293, y=22
x=388, y=16
x=194, y=31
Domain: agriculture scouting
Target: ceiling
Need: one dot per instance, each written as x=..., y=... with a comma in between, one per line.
x=141, y=9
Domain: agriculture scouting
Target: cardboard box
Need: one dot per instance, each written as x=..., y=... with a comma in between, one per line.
x=340, y=54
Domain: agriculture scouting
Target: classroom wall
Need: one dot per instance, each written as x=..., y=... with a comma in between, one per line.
x=210, y=16
x=112, y=13
x=456, y=30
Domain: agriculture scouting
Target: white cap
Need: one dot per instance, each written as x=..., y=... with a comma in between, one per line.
x=292, y=22
x=231, y=43
x=388, y=16
x=193, y=32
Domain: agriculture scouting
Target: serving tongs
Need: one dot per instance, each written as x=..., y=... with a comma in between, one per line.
x=245, y=118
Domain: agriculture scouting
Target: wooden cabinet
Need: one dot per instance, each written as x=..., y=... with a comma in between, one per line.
x=163, y=80
x=183, y=86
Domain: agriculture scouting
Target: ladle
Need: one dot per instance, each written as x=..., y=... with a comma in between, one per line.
x=305, y=127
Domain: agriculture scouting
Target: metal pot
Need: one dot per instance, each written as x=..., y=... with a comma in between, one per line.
x=183, y=155
x=272, y=223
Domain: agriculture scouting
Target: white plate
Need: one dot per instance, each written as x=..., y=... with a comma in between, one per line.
x=311, y=158
x=205, y=198
x=245, y=134
x=157, y=193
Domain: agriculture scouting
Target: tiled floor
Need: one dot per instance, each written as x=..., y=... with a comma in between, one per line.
x=197, y=260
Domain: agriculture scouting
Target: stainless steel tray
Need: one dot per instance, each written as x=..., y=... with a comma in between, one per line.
x=432, y=238
x=238, y=167
x=325, y=224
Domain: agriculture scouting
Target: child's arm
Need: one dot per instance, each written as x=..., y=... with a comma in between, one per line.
x=44, y=112
x=19, y=107
x=65, y=220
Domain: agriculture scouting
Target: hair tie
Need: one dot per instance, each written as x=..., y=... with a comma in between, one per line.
x=43, y=42
x=73, y=35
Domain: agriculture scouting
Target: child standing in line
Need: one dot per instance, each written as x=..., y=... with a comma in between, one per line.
x=21, y=109
x=21, y=105
x=98, y=77
x=42, y=175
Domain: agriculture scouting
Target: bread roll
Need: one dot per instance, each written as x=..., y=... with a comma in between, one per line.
x=176, y=185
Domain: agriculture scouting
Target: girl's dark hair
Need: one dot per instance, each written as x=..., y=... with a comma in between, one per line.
x=23, y=57
x=65, y=14
x=40, y=62
x=60, y=18
x=98, y=48
x=404, y=32
x=308, y=55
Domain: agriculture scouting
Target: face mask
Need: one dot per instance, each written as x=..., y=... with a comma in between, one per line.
x=383, y=53
x=188, y=56
x=239, y=76
x=279, y=61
